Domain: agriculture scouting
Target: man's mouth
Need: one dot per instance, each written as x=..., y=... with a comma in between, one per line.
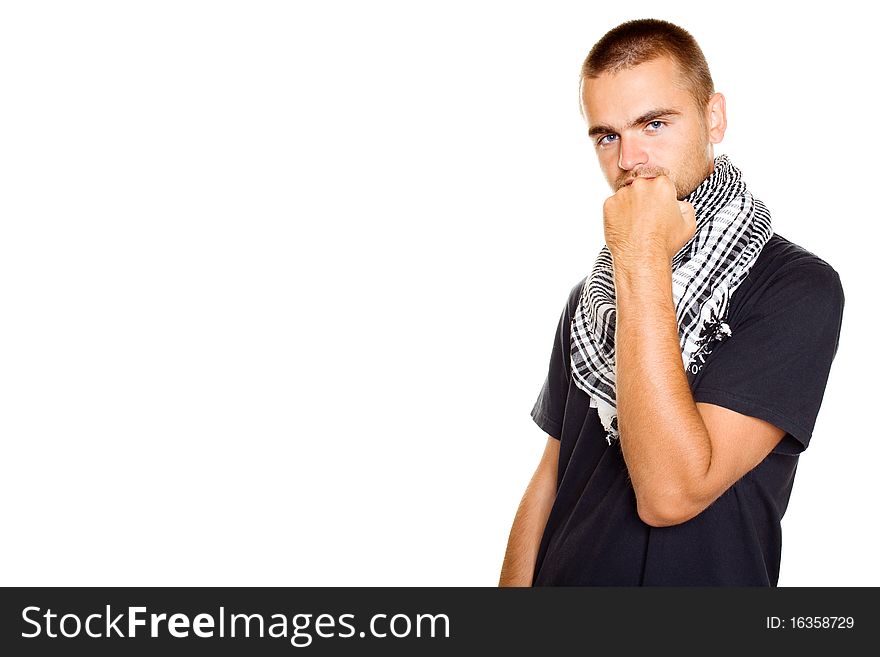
x=630, y=180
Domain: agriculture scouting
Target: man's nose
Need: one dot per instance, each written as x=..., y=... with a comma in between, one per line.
x=632, y=153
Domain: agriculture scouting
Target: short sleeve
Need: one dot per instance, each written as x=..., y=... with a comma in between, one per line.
x=776, y=363
x=549, y=409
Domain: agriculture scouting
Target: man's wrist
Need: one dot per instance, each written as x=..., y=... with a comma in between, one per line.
x=647, y=266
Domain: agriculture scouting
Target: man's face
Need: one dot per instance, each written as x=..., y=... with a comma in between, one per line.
x=644, y=122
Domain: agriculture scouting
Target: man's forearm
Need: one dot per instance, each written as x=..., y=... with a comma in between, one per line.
x=525, y=534
x=664, y=440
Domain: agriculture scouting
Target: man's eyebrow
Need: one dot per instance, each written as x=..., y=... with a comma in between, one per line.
x=647, y=117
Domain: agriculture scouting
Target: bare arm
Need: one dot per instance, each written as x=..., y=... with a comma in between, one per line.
x=531, y=518
x=680, y=455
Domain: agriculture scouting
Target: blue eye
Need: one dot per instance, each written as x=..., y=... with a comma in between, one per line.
x=656, y=125
x=604, y=140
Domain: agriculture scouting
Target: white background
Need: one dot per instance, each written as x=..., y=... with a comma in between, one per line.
x=279, y=281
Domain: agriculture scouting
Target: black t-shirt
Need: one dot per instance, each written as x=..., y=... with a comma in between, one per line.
x=785, y=322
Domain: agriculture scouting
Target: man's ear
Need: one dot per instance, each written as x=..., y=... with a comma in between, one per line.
x=716, y=118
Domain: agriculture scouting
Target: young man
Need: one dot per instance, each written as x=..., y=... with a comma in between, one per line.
x=689, y=366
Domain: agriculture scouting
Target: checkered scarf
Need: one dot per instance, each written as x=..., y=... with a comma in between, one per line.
x=732, y=228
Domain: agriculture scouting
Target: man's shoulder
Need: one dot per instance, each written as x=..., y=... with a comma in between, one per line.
x=780, y=253
x=574, y=295
x=786, y=270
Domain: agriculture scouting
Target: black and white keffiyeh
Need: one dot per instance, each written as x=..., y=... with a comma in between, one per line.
x=732, y=228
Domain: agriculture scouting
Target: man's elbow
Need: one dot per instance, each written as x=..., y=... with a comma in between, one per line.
x=668, y=512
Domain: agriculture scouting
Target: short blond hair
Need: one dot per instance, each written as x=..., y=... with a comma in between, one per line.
x=638, y=41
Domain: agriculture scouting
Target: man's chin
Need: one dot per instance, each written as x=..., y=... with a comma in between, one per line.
x=693, y=188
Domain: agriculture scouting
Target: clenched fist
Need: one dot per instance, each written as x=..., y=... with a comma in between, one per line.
x=645, y=219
